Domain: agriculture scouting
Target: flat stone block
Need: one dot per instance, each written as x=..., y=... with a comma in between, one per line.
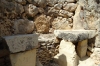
x=82, y=48
x=19, y=43
x=27, y=58
x=75, y=35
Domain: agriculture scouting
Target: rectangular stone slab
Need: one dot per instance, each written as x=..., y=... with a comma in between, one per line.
x=19, y=43
x=27, y=58
x=75, y=35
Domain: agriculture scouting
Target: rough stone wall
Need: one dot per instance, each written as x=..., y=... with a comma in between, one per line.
x=19, y=16
x=45, y=16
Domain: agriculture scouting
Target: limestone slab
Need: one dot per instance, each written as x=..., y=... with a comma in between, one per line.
x=27, y=58
x=75, y=35
x=19, y=43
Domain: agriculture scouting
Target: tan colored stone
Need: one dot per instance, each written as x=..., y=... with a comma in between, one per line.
x=78, y=19
x=70, y=7
x=60, y=23
x=82, y=48
x=23, y=26
x=67, y=55
x=27, y=58
x=42, y=24
x=96, y=56
x=70, y=1
x=31, y=10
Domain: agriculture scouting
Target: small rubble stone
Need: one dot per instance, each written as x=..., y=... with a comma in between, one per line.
x=70, y=7
x=42, y=24
x=31, y=10
x=23, y=26
x=60, y=23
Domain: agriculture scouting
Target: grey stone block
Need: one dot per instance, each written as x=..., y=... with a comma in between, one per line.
x=19, y=43
x=75, y=35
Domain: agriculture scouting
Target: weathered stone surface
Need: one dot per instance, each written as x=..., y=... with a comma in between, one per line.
x=41, y=3
x=64, y=13
x=51, y=2
x=96, y=56
x=70, y=7
x=78, y=19
x=97, y=42
x=58, y=6
x=82, y=48
x=91, y=12
x=67, y=55
x=6, y=27
x=23, y=26
x=23, y=2
x=21, y=42
x=46, y=38
x=42, y=24
x=11, y=9
x=70, y=1
x=27, y=58
x=61, y=1
x=75, y=35
x=31, y=10
x=60, y=23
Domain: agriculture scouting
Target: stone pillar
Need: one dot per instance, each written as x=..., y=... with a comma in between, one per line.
x=27, y=58
x=22, y=49
x=82, y=48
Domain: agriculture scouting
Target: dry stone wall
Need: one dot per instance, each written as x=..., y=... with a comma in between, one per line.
x=19, y=16
x=47, y=16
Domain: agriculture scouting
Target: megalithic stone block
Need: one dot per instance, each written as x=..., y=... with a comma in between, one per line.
x=27, y=58
x=18, y=43
x=82, y=48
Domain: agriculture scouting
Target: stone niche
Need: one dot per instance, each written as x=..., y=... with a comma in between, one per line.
x=18, y=50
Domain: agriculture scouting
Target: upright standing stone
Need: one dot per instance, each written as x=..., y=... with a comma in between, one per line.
x=27, y=58
x=22, y=49
x=82, y=48
x=67, y=55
